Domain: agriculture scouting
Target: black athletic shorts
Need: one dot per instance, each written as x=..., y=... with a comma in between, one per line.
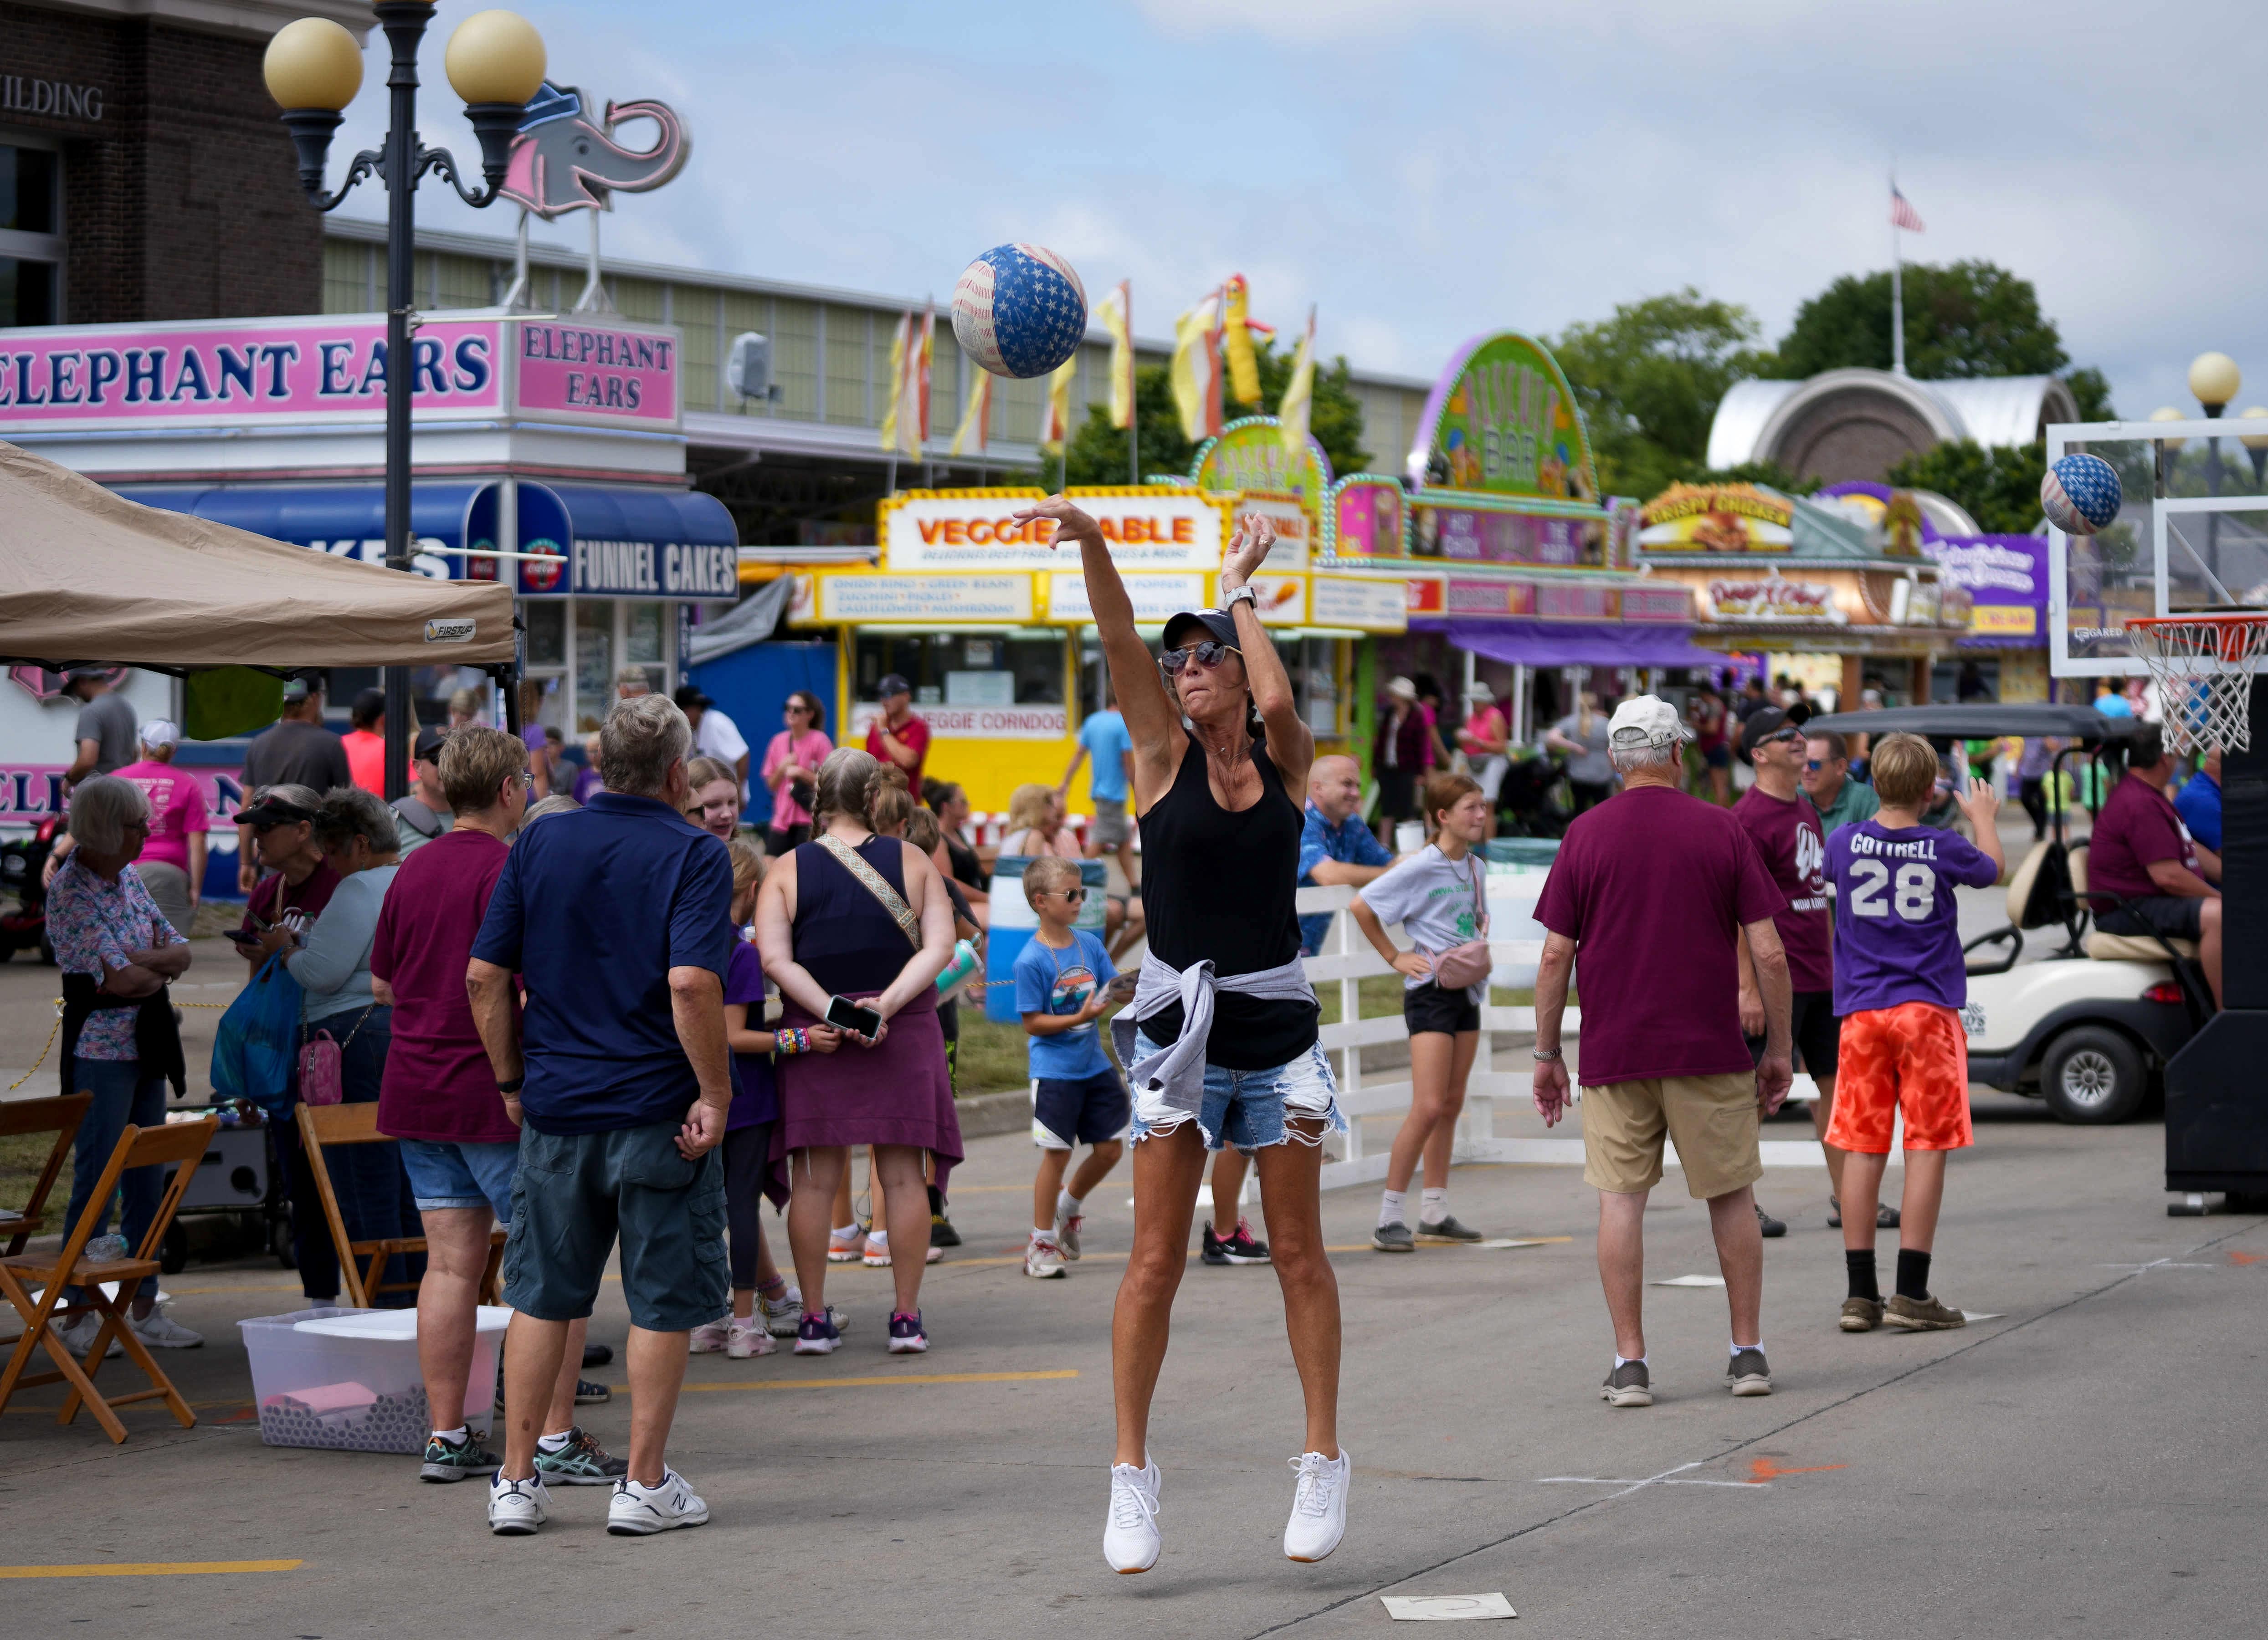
x=1812, y=1023
x=1428, y=1007
x=2164, y=914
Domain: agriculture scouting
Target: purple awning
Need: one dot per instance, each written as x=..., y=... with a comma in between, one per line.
x=1575, y=642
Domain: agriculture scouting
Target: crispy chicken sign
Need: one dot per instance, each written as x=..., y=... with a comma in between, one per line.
x=1150, y=528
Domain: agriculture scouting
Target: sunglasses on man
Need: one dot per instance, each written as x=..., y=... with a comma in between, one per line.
x=1207, y=655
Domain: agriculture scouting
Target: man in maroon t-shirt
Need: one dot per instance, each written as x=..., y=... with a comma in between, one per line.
x=1658, y=890
x=440, y=1098
x=1785, y=826
x=2143, y=856
x=897, y=737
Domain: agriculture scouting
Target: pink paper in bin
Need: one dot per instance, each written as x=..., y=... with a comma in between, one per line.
x=352, y=1380
x=328, y=1398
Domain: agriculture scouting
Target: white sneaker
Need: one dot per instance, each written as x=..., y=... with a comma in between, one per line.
x=877, y=1255
x=842, y=1249
x=745, y=1336
x=1043, y=1259
x=78, y=1335
x=1067, y=1228
x=515, y=1508
x=638, y=1512
x=708, y=1338
x=159, y=1331
x=1318, y=1505
x=1129, y=1535
x=781, y=1319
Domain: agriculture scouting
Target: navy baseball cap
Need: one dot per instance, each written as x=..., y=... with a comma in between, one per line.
x=892, y=684
x=1216, y=622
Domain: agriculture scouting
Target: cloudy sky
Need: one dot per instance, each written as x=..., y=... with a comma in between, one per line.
x=1422, y=171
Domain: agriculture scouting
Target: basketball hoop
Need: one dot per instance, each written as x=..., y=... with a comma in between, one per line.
x=2202, y=664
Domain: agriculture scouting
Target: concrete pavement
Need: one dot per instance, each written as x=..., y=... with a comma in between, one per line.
x=2085, y=1463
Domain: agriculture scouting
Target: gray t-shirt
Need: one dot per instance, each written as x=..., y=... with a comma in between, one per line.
x=417, y=822
x=1436, y=900
x=108, y=721
x=1592, y=767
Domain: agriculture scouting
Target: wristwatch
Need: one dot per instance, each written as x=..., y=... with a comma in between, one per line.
x=1242, y=595
x=514, y=1085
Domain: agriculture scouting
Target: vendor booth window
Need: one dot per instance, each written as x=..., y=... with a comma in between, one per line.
x=1023, y=668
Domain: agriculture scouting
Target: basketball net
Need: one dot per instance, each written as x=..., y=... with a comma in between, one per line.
x=2203, y=665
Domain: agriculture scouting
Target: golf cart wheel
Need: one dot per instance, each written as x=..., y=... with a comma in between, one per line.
x=173, y=1255
x=2093, y=1077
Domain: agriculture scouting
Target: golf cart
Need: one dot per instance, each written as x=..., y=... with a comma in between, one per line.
x=2090, y=1026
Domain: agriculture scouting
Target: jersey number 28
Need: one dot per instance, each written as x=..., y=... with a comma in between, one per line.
x=1914, y=893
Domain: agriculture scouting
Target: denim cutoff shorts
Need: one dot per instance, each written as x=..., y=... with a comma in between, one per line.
x=1248, y=1108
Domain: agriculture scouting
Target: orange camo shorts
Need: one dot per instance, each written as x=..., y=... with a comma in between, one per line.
x=1911, y=1060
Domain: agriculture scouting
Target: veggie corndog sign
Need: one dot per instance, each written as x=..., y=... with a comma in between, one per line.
x=1149, y=527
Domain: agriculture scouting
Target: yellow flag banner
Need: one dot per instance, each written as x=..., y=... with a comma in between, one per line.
x=1196, y=368
x=899, y=339
x=1055, y=414
x=1297, y=408
x=974, y=432
x=1116, y=312
x=1237, y=326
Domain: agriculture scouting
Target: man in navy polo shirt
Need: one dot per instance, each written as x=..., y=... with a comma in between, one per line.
x=616, y=920
x=1335, y=846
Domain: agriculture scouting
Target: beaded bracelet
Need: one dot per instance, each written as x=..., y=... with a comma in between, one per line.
x=790, y=1041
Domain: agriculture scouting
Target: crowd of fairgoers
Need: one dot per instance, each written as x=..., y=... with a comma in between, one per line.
x=661, y=981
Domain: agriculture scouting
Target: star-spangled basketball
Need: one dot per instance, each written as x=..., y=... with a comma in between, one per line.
x=2081, y=494
x=1020, y=311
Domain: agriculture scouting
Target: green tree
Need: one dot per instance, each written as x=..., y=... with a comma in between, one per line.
x=1648, y=380
x=2092, y=389
x=1972, y=319
x=1334, y=417
x=2000, y=487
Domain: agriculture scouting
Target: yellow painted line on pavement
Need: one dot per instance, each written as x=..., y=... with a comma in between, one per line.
x=950, y=1262
x=151, y=1568
x=872, y=1383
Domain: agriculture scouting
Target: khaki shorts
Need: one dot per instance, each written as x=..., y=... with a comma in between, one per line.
x=1711, y=1120
x=1110, y=825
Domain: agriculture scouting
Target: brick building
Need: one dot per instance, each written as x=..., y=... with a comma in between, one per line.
x=144, y=174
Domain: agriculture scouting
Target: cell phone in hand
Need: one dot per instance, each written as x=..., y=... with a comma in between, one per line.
x=850, y=1016
x=1120, y=990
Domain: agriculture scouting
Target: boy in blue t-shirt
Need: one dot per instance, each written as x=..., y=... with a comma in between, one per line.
x=1076, y=1095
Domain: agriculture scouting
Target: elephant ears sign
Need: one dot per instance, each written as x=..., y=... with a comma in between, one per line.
x=566, y=159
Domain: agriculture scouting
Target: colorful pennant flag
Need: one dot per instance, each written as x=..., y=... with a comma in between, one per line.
x=975, y=431
x=905, y=418
x=1055, y=409
x=1298, y=400
x=1116, y=312
x=1196, y=368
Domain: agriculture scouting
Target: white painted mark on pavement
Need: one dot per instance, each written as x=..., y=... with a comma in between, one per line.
x=1446, y=1608
x=1668, y=1477
x=1691, y=1281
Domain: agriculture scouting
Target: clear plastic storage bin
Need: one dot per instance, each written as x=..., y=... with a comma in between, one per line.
x=349, y=1378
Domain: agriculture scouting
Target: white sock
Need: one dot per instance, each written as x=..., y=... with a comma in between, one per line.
x=555, y=1443
x=455, y=1438
x=1389, y=1207
x=1039, y=1236
x=879, y=1240
x=1738, y=1348
x=1624, y=1361
x=1067, y=1205
x=1433, y=1206
x=847, y=1232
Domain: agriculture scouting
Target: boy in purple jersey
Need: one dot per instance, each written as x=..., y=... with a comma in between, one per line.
x=1900, y=985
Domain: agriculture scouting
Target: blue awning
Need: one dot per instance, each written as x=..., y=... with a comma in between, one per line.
x=1575, y=642
x=613, y=541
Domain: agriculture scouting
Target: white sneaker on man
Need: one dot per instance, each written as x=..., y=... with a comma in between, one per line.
x=638, y=1512
x=1318, y=1505
x=160, y=1331
x=1130, y=1542
x=78, y=1334
x=515, y=1508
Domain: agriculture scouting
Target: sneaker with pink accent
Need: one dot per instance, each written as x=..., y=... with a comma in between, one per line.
x=708, y=1338
x=745, y=1335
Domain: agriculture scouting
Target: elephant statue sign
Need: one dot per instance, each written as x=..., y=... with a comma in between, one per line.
x=564, y=160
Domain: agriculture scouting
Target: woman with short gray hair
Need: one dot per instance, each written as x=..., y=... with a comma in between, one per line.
x=361, y=842
x=120, y=1042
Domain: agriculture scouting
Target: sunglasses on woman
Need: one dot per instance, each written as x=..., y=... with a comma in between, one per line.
x=798, y=707
x=1208, y=655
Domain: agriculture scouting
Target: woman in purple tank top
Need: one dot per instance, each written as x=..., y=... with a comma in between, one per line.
x=865, y=918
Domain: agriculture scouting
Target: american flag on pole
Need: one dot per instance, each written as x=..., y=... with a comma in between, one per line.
x=1903, y=215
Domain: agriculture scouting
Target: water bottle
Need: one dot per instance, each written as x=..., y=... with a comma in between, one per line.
x=963, y=965
x=106, y=1249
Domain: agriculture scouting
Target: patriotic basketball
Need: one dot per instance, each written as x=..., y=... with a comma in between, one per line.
x=1020, y=311
x=2081, y=494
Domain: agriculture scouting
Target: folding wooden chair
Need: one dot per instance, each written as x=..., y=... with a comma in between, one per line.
x=181, y=1144
x=322, y=1125
x=59, y=1117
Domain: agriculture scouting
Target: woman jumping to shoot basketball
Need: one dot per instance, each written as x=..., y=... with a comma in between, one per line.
x=1219, y=1043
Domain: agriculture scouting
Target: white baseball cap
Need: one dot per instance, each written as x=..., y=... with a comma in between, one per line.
x=158, y=733
x=1647, y=720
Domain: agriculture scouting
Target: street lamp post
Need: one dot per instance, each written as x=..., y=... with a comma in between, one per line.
x=313, y=68
x=2256, y=446
x=2215, y=379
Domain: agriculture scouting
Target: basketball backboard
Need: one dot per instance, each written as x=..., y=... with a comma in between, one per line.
x=2192, y=535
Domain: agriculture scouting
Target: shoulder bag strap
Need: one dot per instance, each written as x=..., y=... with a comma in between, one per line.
x=874, y=882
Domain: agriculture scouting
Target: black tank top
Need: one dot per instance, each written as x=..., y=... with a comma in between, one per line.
x=1220, y=885
x=841, y=935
